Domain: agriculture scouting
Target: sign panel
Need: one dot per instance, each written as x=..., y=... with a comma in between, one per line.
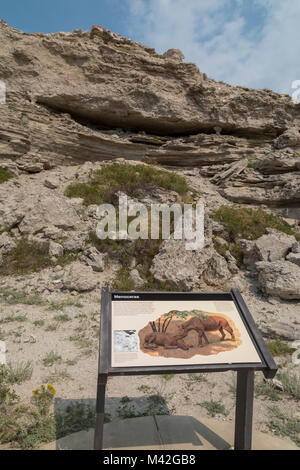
x=143, y=333
x=178, y=332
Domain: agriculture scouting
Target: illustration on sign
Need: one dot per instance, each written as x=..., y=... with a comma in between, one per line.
x=190, y=332
x=156, y=333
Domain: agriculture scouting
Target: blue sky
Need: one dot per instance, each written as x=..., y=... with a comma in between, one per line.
x=253, y=43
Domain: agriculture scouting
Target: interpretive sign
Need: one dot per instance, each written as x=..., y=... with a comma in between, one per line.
x=169, y=332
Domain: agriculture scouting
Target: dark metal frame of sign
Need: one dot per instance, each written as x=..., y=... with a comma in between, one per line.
x=245, y=371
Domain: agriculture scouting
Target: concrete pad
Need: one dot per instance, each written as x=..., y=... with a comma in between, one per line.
x=133, y=433
x=186, y=432
x=189, y=433
x=82, y=440
x=167, y=433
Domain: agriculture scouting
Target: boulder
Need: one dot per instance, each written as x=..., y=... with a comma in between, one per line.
x=136, y=278
x=174, y=54
x=55, y=249
x=296, y=247
x=280, y=330
x=80, y=278
x=94, y=259
x=53, y=232
x=278, y=162
x=184, y=268
x=272, y=246
x=76, y=242
x=231, y=261
x=279, y=279
x=290, y=138
x=216, y=271
x=48, y=210
x=30, y=164
x=51, y=183
x=294, y=258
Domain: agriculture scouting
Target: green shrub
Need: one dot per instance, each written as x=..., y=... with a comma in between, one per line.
x=278, y=347
x=25, y=427
x=20, y=372
x=266, y=389
x=7, y=395
x=290, y=383
x=89, y=192
x=282, y=424
x=130, y=179
x=25, y=258
x=158, y=56
x=76, y=417
x=13, y=297
x=30, y=256
x=123, y=282
x=51, y=358
x=248, y=223
x=214, y=408
x=233, y=248
x=4, y=175
x=22, y=425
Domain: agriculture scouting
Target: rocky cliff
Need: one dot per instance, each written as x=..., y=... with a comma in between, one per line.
x=94, y=95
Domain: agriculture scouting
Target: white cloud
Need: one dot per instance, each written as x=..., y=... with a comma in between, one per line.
x=220, y=38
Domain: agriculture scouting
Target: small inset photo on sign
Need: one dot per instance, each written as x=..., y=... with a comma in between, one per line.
x=125, y=341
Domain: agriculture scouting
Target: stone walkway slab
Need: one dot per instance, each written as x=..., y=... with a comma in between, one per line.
x=167, y=433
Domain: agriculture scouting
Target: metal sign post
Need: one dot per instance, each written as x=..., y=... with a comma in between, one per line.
x=246, y=348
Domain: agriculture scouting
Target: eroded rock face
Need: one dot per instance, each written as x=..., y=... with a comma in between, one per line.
x=279, y=279
x=246, y=140
x=41, y=68
x=278, y=162
x=281, y=330
x=274, y=190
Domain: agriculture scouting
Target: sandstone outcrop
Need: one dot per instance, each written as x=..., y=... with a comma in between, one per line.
x=95, y=95
x=159, y=94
